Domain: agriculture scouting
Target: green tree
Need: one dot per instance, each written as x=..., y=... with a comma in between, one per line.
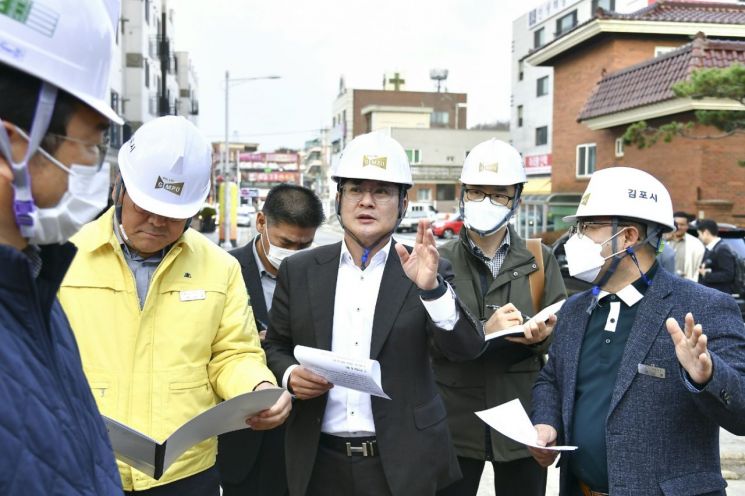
x=723, y=83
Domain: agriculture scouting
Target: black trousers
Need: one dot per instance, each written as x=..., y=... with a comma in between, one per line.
x=523, y=477
x=335, y=473
x=268, y=476
x=206, y=483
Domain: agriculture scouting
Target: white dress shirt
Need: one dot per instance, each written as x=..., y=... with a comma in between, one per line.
x=349, y=413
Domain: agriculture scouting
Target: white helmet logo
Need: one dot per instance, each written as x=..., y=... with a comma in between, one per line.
x=375, y=161
x=493, y=167
x=169, y=186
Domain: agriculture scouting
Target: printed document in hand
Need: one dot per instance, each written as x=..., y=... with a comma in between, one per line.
x=359, y=374
x=511, y=420
x=154, y=458
x=541, y=316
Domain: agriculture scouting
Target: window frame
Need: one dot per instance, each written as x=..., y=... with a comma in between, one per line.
x=538, y=86
x=573, y=15
x=537, y=130
x=585, y=173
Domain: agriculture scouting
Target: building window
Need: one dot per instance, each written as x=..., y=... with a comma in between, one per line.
x=607, y=5
x=445, y=192
x=539, y=37
x=424, y=194
x=415, y=155
x=520, y=69
x=661, y=50
x=619, y=147
x=439, y=119
x=519, y=116
x=566, y=23
x=147, y=73
x=147, y=11
x=541, y=86
x=541, y=135
x=585, y=159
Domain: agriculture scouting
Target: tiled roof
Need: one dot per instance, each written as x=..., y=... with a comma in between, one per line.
x=651, y=81
x=684, y=11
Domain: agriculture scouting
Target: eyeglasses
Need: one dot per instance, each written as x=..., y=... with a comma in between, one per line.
x=581, y=227
x=148, y=213
x=101, y=148
x=381, y=194
x=476, y=195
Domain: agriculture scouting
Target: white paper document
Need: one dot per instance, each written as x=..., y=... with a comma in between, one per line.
x=359, y=374
x=511, y=420
x=541, y=316
x=153, y=458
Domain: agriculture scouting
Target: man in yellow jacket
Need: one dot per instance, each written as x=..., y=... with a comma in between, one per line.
x=160, y=313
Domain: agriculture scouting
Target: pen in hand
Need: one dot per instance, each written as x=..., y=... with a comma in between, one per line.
x=497, y=307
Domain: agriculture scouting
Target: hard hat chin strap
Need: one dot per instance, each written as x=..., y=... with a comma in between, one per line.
x=366, y=249
x=618, y=256
x=23, y=202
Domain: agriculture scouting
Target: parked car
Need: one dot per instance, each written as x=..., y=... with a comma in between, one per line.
x=244, y=215
x=448, y=227
x=415, y=213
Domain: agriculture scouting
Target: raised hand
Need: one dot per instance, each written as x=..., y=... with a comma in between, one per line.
x=690, y=347
x=421, y=264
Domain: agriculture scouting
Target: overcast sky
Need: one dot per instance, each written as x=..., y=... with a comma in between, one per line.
x=311, y=44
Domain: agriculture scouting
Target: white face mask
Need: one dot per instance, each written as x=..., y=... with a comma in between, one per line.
x=86, y=195
x=584, y=258
x=275, y=254
x=484, y=216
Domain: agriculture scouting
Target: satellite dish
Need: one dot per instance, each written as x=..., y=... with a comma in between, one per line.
x=438, y=75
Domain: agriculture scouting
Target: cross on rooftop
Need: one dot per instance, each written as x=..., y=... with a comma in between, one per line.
x=396, y=81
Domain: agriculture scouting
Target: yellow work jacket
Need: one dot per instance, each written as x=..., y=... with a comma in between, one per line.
x=193, y=343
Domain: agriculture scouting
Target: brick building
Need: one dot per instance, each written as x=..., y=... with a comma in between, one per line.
x=617, y=69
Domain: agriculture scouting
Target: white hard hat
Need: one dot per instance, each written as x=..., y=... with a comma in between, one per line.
x=374, y=156
x=67, y=43
x=166, y=167
x=626, y=192
x=493, y=162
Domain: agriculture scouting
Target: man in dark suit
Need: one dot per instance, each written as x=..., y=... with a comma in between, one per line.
x=642, y=398
x=252, y=463
x=718, y=267
x=366, y=298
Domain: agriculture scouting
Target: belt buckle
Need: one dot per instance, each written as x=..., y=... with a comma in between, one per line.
x=366, y=449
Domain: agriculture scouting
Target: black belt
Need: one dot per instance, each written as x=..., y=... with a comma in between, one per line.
x=363, y=446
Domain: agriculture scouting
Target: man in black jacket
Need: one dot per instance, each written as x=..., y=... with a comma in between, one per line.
x=252, y=462
x=718, y=267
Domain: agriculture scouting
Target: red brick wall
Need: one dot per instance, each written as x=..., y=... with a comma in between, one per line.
x=702, y=175
x=439, y=102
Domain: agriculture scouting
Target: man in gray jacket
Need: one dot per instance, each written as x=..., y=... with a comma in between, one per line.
x=631, y=379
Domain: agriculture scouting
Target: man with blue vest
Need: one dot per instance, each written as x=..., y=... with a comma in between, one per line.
x=54, y=113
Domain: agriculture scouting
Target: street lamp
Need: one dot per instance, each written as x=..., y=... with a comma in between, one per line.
x=228, y=82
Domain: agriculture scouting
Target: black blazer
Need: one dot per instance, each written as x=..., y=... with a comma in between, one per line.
x=721, y=261
x=238, y=451
x=414, y=443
